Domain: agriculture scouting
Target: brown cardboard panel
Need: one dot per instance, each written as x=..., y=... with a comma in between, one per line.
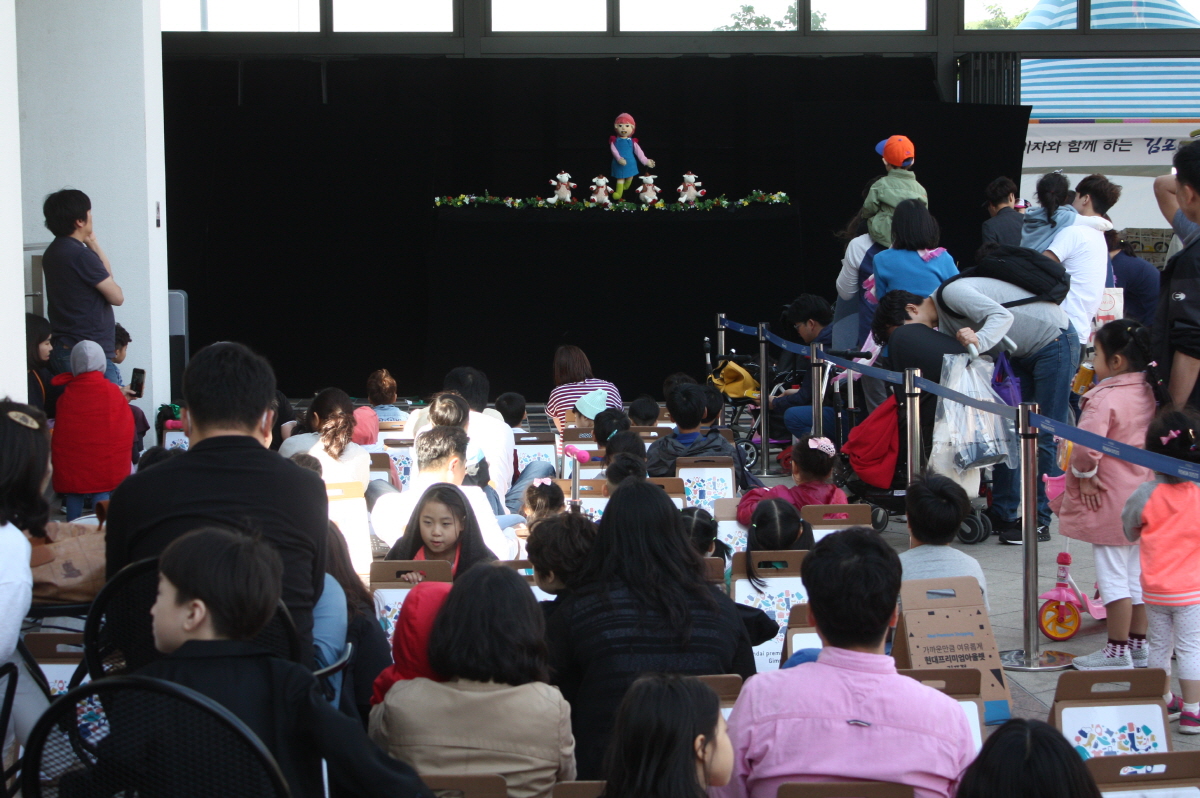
x=387, y=573
x=534, y=438
x=845, y=789
x=714, y=570
x=961, y=685
x=792, y=560
x=398, y=442
x=391, y=426
x=578, y=789
x=651, y=434
x=479, y=786
x=521, y=565
x=1145, y=771
x=727, y=686
x=1114, y=689
x=44, y=646
x=337, y=491
x=578, y=435
x=858, y=515
x=799, y=622
x=725, y=509
x=379, y=461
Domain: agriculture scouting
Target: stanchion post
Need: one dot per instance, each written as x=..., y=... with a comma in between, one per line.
x=720, y=335
x=1030, y=658
x=576, y=504
x=764, y=399
x=818, y=390
x=912, y=418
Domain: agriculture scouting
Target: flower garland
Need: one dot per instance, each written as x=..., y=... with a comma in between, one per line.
x=721, y=202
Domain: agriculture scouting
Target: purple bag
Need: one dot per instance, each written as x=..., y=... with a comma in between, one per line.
x=1005, y=382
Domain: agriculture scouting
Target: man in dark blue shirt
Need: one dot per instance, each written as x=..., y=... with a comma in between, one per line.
x=79, y=282
x=1137, y=278
x=1004, y=226
x=812, y=318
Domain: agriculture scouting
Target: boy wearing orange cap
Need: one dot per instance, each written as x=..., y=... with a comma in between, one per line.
x=897, y=185
x=626, y=154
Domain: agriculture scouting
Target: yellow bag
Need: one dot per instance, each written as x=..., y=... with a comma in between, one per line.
x=735, y=382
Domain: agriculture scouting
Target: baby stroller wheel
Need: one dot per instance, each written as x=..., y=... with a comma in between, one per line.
x=975, y=528
x=879, y=518
x=750, y=451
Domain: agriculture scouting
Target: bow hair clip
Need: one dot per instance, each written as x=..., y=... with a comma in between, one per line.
x=823, y=444
x=1170, y=436
x=541, y=481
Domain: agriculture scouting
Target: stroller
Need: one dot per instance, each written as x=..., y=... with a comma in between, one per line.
x=737, y=378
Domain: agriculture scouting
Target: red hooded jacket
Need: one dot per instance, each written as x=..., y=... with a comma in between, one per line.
x=410, y=640
x=92, y=445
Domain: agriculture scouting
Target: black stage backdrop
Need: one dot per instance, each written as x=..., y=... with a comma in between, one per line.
x=302, y=221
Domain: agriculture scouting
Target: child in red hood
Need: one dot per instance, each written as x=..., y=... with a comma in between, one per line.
x=812, y=463
x=93, y=428
x=410, y=640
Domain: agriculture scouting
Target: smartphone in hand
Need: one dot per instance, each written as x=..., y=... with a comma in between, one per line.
x=137, y=383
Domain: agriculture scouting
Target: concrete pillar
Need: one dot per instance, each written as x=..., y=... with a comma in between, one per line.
x=12, y=271
x=91, y=108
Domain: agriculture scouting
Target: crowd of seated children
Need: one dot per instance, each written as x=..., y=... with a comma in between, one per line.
x=643, y=411
x=686, y=404
x=622, y=467
x=812, y=467
x=381, y=393
x=216, y=591
x=642, y=604
x=93, y=431
x=493, y=711
x=328, y=436
x=849, y=715
x=935, y=506
x=442, y=527
x=558, y=547
x=441, y=455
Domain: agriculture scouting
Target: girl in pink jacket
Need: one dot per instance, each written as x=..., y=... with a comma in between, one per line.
x=1120, y=406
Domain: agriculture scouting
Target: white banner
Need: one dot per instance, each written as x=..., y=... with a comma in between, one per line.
x=1061, y=146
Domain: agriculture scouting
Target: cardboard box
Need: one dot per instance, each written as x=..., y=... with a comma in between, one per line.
x=389, y=590
x=1169, y=775
x=783, y=589
x=727, y=686
x=961, y=685
x=1101, y=719
x=943, y=624
x=817, y=517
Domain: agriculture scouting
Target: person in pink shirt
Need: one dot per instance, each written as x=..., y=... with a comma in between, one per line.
x=812, y=464
x=849, y=716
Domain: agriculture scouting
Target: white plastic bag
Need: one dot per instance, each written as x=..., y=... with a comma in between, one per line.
x=976, y=437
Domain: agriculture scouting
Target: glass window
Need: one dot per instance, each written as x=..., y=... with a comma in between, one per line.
x=697, y=15
x=1143, y=14
x=1012, y=14
x=549, y=15
x=394, y=16
x=869, y=15
x=282, y=16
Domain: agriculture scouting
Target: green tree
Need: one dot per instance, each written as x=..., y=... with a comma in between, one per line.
x=998, y=20
x=747, y=19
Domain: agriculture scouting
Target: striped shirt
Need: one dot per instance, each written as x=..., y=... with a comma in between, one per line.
x=564, y=397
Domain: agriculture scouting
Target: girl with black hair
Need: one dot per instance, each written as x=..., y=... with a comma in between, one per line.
x=442, y=527
x=1028, y=758
x=641, y=604
x=1042, y=224
x=775, y=526
x=494, y=713
x=915, y=262
x=42, y=394
x=812, y=466
x=330, y=424
x=669, y=740
x=1120, y=406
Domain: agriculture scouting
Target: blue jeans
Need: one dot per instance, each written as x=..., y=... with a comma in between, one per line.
x=799, y=421
x=60, y=362
x=73, y=503
x=538, y=469
x=1046, y=379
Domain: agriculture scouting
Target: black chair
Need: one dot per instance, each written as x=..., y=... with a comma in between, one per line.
x=131, y=735
x=8, y=676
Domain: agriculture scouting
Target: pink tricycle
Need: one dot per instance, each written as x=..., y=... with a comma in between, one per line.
x=1059, y=618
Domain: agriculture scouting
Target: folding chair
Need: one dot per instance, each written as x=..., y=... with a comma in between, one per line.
x=706, y=479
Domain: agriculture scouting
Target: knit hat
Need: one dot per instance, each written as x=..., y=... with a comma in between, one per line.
x=897, y=151
x=592, y=404
x=87, y=356
x=624, y=119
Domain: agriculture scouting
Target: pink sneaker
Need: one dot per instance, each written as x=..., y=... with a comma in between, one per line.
x=1189, y=722
x=1174, y=707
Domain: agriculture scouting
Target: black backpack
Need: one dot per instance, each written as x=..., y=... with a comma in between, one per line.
x=1025, y=268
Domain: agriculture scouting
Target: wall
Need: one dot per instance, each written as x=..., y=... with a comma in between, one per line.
x=12, y=306
x=91, y=118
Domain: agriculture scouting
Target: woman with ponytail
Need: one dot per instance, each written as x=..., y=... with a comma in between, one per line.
x=330, y=423
x=1120, y=406
x=1042, y=224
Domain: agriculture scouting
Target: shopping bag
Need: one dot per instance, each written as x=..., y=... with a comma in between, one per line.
x=976, y=437
x=1005, y=382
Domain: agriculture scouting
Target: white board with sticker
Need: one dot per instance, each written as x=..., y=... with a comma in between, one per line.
x=974, y=722
x=388, y=601
x=801, y=640
x=1164, y=792
x=1115, y=730
x=703, y=486
x=776, y=600
x=732, y=534
x=823, y=532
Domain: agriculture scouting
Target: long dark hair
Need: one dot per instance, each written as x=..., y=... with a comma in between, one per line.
x=338, y=565
x=336, y=413
x=913, y=227
x=24, y=461
x=471, y=548
x=1053, y=192
x=642, y=546
x=1130, y=339
x=652, y=749
x=571, y=365
x=1027, y=757
x=701, y=529
x=774, y=526
x=37, y=329
x=490, y=630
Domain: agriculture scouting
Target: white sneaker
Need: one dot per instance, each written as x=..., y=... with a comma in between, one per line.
x=1140, y=656
x=1104, y=660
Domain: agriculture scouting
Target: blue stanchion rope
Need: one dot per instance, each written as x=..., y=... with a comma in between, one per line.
x=744, y=329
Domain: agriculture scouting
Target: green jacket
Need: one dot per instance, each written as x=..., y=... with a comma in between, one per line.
x=888, y=192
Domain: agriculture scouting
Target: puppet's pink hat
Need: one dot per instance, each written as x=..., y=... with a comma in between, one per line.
x=625, y=119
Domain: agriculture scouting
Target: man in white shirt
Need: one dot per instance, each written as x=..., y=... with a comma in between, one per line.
x=441, y=455
x=1084, y=254
x=491, y=435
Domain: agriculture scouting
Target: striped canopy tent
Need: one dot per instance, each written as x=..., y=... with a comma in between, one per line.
x=1116, y=88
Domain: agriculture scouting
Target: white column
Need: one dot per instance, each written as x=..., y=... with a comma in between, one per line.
x=12, y=270
x=92, y=119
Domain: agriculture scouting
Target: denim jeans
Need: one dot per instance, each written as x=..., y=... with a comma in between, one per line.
x=1046, y=379
x=799, y=421
x=60, y=362
x=538, y=469
x=73, y=503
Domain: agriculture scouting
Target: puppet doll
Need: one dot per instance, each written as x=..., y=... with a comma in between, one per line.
x=648, y=192
x=626, y=154
x=562, y=189
x=689, y=190
x=600, y=191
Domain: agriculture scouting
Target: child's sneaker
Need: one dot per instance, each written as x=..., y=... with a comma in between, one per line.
x=1174, y=707
x=1108, y=658
x=1140, y=657
x=1189, y=722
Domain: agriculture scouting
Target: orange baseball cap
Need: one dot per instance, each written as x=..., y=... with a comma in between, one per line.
x=897, y=150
